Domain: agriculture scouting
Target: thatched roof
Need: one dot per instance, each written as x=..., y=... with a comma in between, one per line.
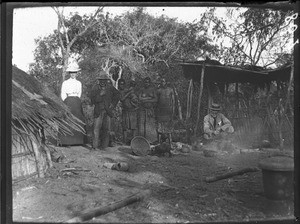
x=229, y=74
x=35, y=106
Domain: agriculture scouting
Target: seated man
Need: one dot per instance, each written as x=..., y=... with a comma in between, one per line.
x=216, y=125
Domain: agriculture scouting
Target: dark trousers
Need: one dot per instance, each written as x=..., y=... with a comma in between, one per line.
x=101, y=124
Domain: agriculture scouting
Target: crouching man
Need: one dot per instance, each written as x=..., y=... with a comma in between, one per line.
x=216, y=125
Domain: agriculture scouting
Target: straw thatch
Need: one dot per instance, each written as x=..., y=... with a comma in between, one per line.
x=34, y=106
x=36, y=112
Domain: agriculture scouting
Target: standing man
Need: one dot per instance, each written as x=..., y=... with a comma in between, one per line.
x=116, y=96
x=105, y=101
x=148, y=99
x=165, y=111
x=71, y=91
x=216, y=125
x=129, y=102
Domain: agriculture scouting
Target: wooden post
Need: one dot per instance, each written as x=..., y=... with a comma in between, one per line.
x=189, y=100
x=209, y=97
x=237, y=93
x=38, y=157
x=199, y=98
x=287, y=102
x=236, y=111
x=178, y=103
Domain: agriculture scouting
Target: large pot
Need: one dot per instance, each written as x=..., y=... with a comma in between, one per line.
x=278, y=177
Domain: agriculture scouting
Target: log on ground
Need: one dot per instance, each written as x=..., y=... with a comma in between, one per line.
x=231, y=174
x=112, y=207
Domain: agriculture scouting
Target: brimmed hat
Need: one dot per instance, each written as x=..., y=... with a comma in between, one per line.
x=215, y=107
x=73, y=68
x=103, y=75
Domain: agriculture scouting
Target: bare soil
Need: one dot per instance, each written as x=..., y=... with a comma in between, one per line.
x=179, y=193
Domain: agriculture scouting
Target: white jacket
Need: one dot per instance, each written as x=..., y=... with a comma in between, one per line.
x=71, y=87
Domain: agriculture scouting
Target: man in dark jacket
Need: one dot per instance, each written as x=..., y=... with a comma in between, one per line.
x=105, y=98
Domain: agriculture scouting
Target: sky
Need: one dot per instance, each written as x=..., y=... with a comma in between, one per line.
x=33, y=22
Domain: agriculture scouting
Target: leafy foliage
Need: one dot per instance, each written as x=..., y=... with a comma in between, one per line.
x=47, y=57
x=256, y=36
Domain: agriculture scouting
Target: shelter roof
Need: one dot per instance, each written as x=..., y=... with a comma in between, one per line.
x=229, y=74
x=35, y=105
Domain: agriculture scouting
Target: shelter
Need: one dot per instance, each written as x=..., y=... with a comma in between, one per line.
x=35, y=110
x=210, y=72
x=229, y=74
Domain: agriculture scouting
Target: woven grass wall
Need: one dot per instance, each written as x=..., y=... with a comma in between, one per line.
x=25, y=161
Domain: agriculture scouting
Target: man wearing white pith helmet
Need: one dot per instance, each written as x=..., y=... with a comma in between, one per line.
x=105, y=99
x=70, y=93
x=216, y=124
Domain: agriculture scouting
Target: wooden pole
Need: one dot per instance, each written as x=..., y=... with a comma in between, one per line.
x=38, y=157
x=189, y=100
x=231, y=174
x=103, y=210
x=178, y=103
x=209, y=96
x=287, y=102
x=199, y=98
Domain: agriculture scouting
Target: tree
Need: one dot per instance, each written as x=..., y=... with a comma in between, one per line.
x=47, y=57
x=69, y=32
x=257, y=37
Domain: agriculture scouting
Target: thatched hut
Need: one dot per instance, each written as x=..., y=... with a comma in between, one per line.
x=36, y=111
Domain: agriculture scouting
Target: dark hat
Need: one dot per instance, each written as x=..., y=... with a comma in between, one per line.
x=102, y=75
x=215, y=107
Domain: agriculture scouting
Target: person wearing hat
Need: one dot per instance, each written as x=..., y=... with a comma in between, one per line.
x=129, y=103
x=70, y=93
x=104, y=97
x=216, y=124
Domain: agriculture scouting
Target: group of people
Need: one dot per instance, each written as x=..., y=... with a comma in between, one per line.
x=138, y=106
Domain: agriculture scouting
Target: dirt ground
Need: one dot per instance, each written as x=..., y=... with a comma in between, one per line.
x=179, y=193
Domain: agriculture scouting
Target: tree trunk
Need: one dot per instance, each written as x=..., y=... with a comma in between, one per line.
x=199, y=98
x=66, y=63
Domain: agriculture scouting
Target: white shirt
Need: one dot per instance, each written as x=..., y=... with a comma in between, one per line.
x=71, y=87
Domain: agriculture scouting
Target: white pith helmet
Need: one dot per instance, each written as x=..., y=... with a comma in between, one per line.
x=73, y=67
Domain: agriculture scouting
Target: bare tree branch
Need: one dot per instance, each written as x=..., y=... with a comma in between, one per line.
x=59, y=33
x=90, y=24
x=263, y=46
